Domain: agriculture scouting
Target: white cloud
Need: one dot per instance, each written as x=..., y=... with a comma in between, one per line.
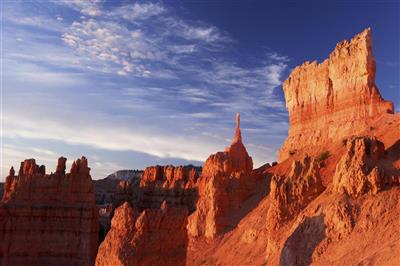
x=138, y=11
x=86, y=7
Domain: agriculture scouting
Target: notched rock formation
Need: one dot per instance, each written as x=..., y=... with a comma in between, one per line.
x=48, y=219
x=175, y=185
x=224, y=185
x=360, y=171
x=333, y=100
x=152, y=237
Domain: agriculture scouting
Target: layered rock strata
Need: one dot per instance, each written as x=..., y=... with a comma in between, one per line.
x=175, y=185
x=151, y=237
x=334, y=99
x=224, y=185
x=49, y=219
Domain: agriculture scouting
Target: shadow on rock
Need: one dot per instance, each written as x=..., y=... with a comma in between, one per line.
x=300, y=245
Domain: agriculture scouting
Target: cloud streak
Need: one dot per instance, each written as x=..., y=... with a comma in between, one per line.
x=137, y=77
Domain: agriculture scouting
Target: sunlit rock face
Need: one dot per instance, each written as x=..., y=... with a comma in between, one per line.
x=151, y=237
x=224, y=185
x=334, y=99
x=49, y=219
x=360, y=169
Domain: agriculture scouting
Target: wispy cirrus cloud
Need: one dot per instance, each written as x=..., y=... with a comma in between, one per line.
x=137, y=77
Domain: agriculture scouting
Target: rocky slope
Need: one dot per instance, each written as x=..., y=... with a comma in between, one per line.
x=48, y=219
x=335, y=99
x=338, y=209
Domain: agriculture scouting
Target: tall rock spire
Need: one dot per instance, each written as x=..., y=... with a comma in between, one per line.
x=238, y=135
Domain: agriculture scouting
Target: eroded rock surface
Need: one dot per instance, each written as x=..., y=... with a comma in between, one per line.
x=289, y=195
x=334, y=99
x=224, y=185
x=360, y=171
x=49, y=219
x=152, y=237
x=177, y=185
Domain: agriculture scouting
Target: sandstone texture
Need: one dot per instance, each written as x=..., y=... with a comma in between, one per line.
x=177, y=185
x=224, y=185
x=333, y=198
x=49, y=219
x=334, y=99
x=289, y=195
x=152, y=237
x=361, y=170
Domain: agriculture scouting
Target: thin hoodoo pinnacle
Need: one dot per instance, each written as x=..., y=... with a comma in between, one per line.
x=238, y=135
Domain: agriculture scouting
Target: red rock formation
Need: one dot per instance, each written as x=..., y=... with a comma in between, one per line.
x=48, y=219
x=175, y=185
x=341, y=210
x=289, y=195
x=333, y=100
x=153, y=237
x=224, y=185
x=359, y=172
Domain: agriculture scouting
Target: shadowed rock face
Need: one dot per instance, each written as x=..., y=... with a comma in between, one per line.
x=152, y=237
x=49, y=219
x=224, y=185
x=333, y=100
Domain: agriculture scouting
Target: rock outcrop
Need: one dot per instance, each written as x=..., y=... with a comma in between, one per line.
x=289, y=195
x=333, y=100
x=359, y=171
x=175, y=185
x=224, y=185
x=152, y=237
x=48, y=219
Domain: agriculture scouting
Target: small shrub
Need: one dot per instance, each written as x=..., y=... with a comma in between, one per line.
x=323, y=156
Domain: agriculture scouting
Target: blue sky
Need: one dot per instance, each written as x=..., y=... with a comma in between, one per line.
x=131, y=84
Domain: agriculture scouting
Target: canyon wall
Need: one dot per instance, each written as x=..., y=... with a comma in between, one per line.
x=335, y=99
x=49, y=219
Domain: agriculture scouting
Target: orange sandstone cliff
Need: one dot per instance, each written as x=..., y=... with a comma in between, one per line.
x=48, y=219
x=333, y=100
x=338, y=209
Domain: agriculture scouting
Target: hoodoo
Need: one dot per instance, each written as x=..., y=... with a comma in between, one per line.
x=333, y=100
x=223, y=187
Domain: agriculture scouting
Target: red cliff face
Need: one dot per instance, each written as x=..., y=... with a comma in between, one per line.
x=333, y=100
x=224, y=185
x=48, y=219
x=152, y=237
x=175, y=185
